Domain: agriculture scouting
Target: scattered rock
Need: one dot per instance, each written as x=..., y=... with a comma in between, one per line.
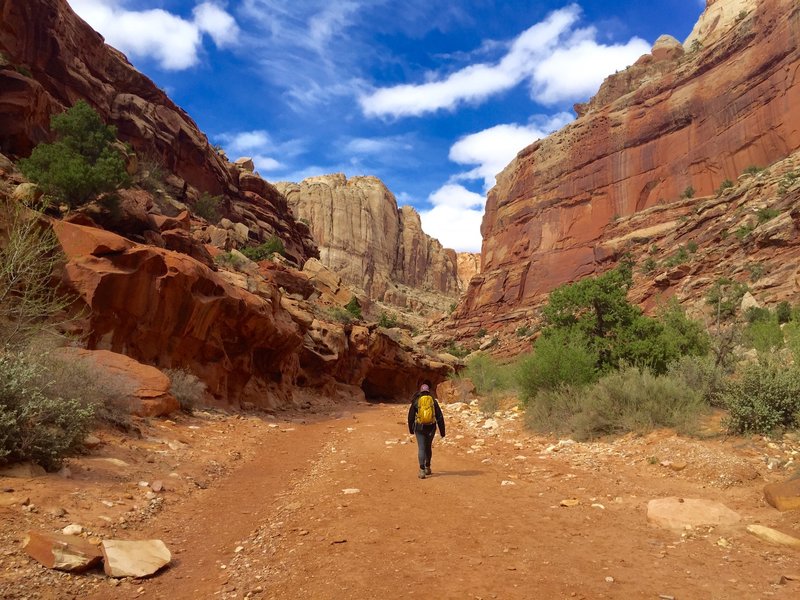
x=506, y=482
x=157, y=486
x=570, y=502
x=6, y=501
x=679, y=513
x=26, y=470
x=72, y=529
x=91, y=441
x=62, y=552
x=773, y=536
x=783, y=495
x=351, y=491
x=128, y=558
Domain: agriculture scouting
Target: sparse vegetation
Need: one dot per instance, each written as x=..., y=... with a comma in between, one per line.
x=481, y=333
x=457, y=350
x=743, y=231
x=230, y=260
x=753, y=170
x=766, y=214
x=726, y=296
x=186, y=388
x=81, y=163
x=688, y=192
x=388, y=320
x=648, y=265
x=724, y=186
x=353, y=307
x=207, y=207
x=36, y=425
x=523, y=331
x=680, y=257
x=274, y=245
x=757, y=271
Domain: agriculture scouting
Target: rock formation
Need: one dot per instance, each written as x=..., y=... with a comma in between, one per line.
x=654, y=140
x=369, y=242
x=50, y=58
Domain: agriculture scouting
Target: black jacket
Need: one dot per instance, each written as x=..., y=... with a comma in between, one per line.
x=412, y=415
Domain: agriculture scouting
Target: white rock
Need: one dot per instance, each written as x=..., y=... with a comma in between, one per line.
x=507, y=482
x=351, y=491
x=490, y=424
x=72, y=529
x=122, y=558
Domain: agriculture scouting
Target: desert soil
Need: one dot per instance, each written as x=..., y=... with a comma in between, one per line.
x=328, y=505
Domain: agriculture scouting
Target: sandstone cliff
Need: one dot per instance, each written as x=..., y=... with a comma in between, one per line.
x=365, y=238
x=658, y=136
x=50, y=58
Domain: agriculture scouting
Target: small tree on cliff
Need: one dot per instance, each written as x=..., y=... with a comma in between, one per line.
x=82, y=162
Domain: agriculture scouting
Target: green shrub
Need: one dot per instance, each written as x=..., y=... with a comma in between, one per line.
x=207, y=207
x=725, y=185
x=756, y=313
x=230, y=260
x=81, y=163
x=387, y=320
x=353, y=307
x=763, y=335
x=752, y=169
x=783, y=312
x=488, y=375
x=726, y=297
x=457, y=350
x=627, y=400
x=766, y=214
x=688, y=192
x=489, y=404
x=648, y=265
x=337, y=313
x=559, y=357
x=186, y=388
x=36, y=426
x=765, y=398
x=791, y=335
x=265, y=251
x=523, y=331
x=679, y=258
x=757, y=271
x=692, y=247
x=743, y=231
x=481, y=333
x=700, y=374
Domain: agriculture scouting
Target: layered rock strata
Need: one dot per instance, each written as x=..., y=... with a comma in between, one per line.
x=671, y=128
x=50, y=59
x=370, y=242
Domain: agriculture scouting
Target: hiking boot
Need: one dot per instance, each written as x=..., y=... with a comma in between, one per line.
x=422, y=474
x=427, y=470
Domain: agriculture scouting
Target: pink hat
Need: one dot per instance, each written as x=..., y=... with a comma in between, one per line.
x=424, y=388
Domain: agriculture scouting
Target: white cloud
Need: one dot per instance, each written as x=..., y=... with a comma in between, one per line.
x=560, y=62
x=174, y=42
x=259, y=146
x=492, y=149
x=455, y=219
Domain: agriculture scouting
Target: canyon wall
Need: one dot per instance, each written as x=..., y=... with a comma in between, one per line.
x=50, y=58
x=672, y=127
x=370, y=242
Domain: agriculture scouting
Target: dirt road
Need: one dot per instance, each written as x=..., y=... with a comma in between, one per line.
x=333, y=509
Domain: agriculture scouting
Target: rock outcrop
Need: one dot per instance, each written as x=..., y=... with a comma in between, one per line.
x=655, y=139
x=369, y=242
x=247, y=340
x=51, y=58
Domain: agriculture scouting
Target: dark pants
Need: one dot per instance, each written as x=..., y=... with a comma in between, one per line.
x=424, y=435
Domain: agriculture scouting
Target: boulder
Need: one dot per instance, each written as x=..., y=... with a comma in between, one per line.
x=147, y=389
x=680, y=513
x=62, y=552
x=783, y=495
x=773, y=536
x=123, y=558
x=245, y=163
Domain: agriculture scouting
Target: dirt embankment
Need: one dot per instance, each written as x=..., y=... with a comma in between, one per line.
x=329, y=506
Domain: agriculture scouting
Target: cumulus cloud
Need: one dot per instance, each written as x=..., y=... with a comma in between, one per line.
x=172, y=41
x=455, y=218
x=560, y=61
x=492, y=149
x=256, y=145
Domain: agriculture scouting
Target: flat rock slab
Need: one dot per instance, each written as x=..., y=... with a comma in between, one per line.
x=773, y=536
x=62, y=552
x=680, y=513
x=125, y=558
x=784, y=495
x=25, y=470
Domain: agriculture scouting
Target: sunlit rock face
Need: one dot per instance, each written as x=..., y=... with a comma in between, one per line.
x=681, y=118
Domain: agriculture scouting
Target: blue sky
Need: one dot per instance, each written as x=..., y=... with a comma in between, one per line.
x=434, y=97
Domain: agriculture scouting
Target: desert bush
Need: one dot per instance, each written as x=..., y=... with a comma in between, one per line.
x=783, y=312
x=763, y=335
x=764, y=397
x=353, y=307
x=688, y=192
x=186, y=387
x=230, y=260
x=31, y=302
x=488, y=374
x=489, y=404
x=701, y=374
x=558, y=358
x=766, y=214
x=207, y=207
x=387, y=320
x=457, y=350
x=82, y=162
x=725, y=185
x=726, y=297
x=36, y=425
x=265, y=251
x=630, y=399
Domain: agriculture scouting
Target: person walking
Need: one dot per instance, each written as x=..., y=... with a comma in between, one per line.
x=424, y=415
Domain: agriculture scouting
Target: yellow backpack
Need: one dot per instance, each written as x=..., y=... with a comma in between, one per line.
x=425, y=411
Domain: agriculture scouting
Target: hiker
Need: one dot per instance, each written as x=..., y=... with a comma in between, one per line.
x=424, y=415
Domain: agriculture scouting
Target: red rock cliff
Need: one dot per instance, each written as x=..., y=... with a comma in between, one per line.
x=51, y=59
x=676, y=119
